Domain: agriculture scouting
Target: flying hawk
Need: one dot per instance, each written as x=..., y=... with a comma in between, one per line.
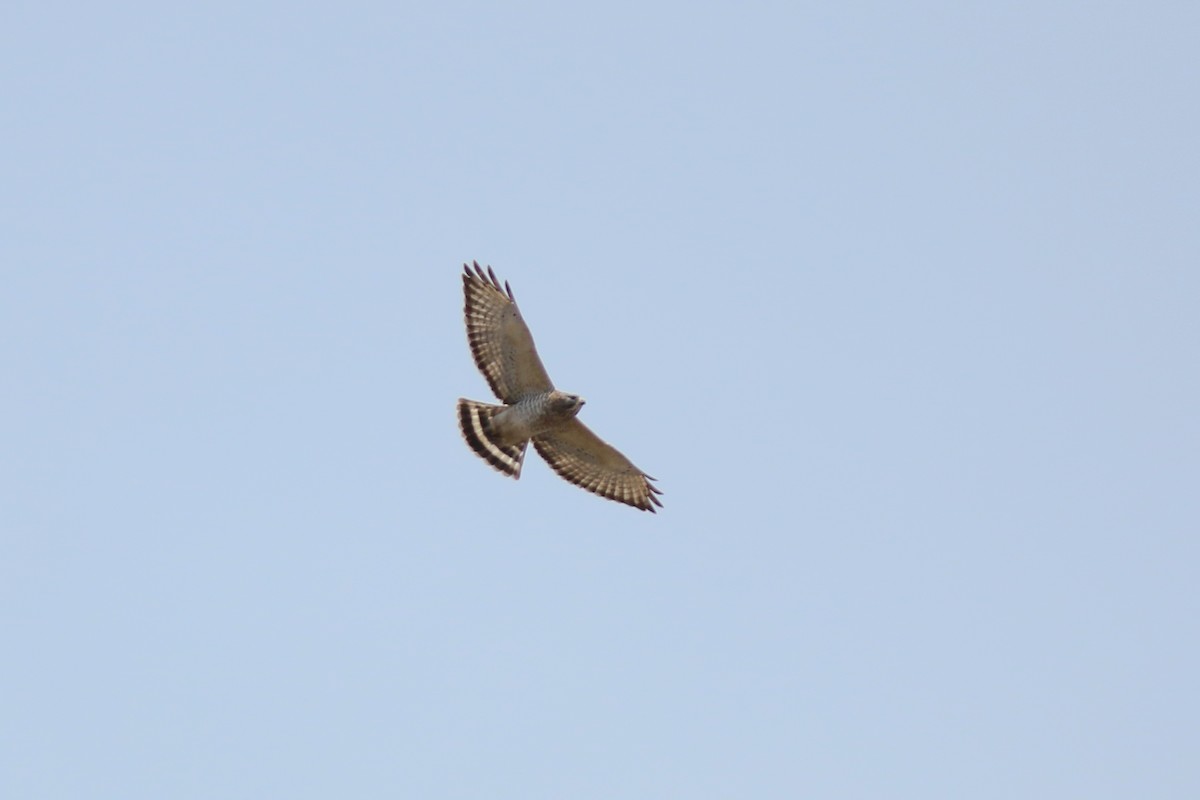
x=533, y=410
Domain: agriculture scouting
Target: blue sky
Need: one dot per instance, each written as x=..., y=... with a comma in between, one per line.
x=898, y=302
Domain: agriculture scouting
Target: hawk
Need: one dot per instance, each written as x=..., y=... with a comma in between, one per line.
x=533, y=410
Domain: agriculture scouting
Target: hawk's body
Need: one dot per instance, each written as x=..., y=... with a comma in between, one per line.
x=533, y=409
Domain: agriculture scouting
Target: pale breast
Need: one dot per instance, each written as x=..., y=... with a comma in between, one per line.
x=526, y=418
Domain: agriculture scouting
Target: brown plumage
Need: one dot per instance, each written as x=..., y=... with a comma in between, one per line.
x=533, y=410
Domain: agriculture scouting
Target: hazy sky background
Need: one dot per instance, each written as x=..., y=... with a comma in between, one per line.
x=899, y=301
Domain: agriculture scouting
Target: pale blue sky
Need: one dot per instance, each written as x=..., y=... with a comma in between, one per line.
x=898, y=301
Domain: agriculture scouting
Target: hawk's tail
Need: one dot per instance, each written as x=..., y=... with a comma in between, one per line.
x=475, y=421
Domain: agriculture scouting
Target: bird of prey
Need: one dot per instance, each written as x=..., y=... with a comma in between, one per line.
x=533, y=410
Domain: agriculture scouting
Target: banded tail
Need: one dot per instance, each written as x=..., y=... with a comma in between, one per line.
x=475, y=422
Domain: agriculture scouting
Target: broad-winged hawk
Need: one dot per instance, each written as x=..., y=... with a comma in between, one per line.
x=533, y=409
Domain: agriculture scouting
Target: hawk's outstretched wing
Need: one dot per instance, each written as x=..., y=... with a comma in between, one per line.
x=500, y=341
x=586, y=460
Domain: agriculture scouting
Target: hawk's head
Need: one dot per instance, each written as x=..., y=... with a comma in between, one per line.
x=567, y=405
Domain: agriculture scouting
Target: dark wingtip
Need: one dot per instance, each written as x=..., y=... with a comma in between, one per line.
x=488, y=276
